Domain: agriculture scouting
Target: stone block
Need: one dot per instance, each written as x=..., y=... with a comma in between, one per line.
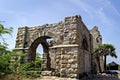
x=63, y=72
x=70, y=53
x=73, y=75
x=74, y=56
x=62, y=57
x=57, y=56
x=76, y=71
x=46, y=73
x=63, y=65
x=63, y=61
x=74, y=66
x=58, y=67
x=70, y=70
x=72, y=61
x=68, y=65
x=69, y=56
x=57, y=60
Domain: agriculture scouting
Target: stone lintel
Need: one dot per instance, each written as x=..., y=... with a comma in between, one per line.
x=20, y=49
x=64, y=46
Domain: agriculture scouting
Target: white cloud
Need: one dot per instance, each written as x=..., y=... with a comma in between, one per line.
x=97, y=10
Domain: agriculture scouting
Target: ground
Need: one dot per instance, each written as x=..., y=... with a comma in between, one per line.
x=97, y=77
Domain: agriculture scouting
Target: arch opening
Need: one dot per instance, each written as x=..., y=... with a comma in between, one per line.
x=41, y=47
x=85, y=44
x=39, y=51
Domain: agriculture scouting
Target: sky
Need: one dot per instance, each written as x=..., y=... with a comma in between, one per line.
x=105, y=14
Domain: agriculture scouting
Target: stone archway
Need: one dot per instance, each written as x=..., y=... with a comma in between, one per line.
x=46, y=61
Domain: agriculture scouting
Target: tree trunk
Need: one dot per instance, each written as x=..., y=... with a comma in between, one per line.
x=98, y=61
x=105, y=62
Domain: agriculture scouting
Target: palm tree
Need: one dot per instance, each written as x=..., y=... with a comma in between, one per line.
x=104, y=50
x=5, y=31
x=108, y=49
x=97, y=55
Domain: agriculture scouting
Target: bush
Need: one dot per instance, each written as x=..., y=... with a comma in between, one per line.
x=10, y=63
x=29, y=69
x=4, y=60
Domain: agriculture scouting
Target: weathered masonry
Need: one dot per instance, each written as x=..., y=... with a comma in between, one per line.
x=69, y=51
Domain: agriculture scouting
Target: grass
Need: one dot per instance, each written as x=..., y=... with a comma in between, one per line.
x=17, y=77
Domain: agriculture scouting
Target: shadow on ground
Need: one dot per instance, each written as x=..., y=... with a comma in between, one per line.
x=105, y=77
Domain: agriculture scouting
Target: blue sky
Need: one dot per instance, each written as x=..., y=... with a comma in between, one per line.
x=103, y=13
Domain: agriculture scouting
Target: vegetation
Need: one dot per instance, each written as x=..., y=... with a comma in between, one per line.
x=4, y=30
x=4, y=52
x=4, y=60
x=104, y=50
x=10, y=62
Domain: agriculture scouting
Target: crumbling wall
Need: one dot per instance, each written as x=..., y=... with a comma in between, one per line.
x=97, y=40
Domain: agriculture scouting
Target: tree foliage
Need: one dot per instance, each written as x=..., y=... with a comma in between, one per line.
x=104, y=50
x=10, y=62
x=4, y=30
x=5, y=54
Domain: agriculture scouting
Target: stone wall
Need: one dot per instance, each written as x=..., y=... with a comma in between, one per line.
x=97, y=38
x=85, y=46
x=66, y=60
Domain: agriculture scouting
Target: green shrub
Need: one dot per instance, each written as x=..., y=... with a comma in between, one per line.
x=31, y=74
x=10, y=63
x=4, y=60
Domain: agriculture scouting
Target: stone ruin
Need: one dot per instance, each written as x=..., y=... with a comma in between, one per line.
x=97, y=40
x=68, y=54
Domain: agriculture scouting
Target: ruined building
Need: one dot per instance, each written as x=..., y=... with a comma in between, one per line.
x=68, y=53
x=97, y=40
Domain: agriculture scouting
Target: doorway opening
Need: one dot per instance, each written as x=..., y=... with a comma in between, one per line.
x=40, y=48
